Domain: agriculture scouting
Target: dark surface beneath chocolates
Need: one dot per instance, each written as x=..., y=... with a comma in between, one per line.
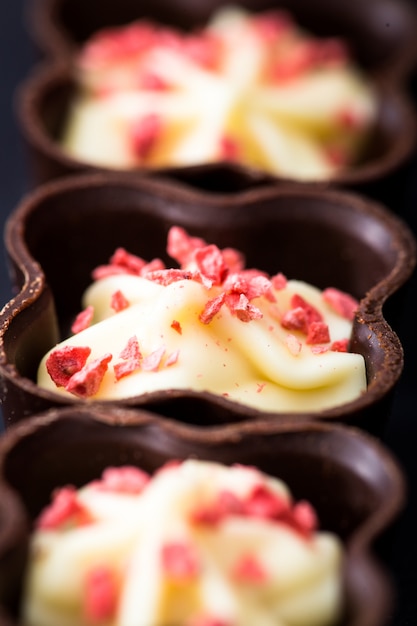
x=399, y=550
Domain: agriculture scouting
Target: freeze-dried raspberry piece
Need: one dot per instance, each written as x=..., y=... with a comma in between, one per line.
x=179, y=560
x=172, y=358
x=211, y=308
x=229, y=148
x=125, y=368
x=132, y=263
x=83, y=320
x=209, y=261
x=100, y=594
x=166, y=277
x=340, y=345
x=264, y=503
x=293, y=345
x=65, y=362
x=125, y=479
x=176, y=326
x=65, y=508
x=118, y=301
x=318, y=332
x=279, y=281
x=226, y=503
x=145, y=133
x=240, y=306
x=313, y=315
x=343, y=303
x=234, y=260
x=248, y=569
x=152, y=362
x=303, y=518
x=86, y=382
x=208, y=620
x=152, y=266
x=295, y=319
x=181, y=246
x=150, y=81
x=131, y=350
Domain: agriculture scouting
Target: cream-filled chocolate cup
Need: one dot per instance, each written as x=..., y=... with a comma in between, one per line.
x=326, y=238
x=320, y=463
x=51, y=98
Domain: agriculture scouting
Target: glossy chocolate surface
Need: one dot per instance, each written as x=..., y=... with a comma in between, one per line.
x=62, y=231
x=352, y=481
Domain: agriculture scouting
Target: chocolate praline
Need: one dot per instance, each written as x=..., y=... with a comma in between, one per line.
x=62, y=231
x=381, y=37
x=353, y=482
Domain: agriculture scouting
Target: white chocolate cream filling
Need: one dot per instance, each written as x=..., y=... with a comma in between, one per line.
x=250, y=88
x=199, y=543
x=252, y=353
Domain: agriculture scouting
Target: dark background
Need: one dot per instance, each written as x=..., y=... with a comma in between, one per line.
x=16, y=59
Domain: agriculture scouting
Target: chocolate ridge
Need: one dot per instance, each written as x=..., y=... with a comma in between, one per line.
x=31, y=322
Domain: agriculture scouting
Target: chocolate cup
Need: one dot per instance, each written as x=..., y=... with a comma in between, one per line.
x=381, y=35
x=43, y=107
x=353, y=482
x=65, y=229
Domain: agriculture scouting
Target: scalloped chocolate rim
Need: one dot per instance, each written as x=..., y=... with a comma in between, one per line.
x=396, y=135
x=171, y=205
x=144, y=439
x=53, y=36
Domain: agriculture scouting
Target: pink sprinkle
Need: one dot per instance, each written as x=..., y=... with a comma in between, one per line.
x=181, y=245
x=145, y=133
x=318, y=332
x=176, y=326
x=340, y=346
x=229, y=148
x=152, y=362
x=179, y=561
x=125, y=479
x=293, y=345
x=118, y=301
x=341, y=302
x=131, y=350
x=65, y=362
x=210, y=263
x=100, y=594
x=279, y=281
x=211, y=308
x=86, y=382
x=249, y=570
x=83, y=320
x=172, y=358
x=64, y=508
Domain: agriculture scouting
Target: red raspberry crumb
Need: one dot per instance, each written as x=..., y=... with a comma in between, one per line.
x=295, y=319
x=304, y=518
x=100, y=594
x=229, y=148
x=123, y=369
x=211, y=308
x=118, y=301
x=152, y=82
x=129, y=262
x=249, y=570
x=179, y=561
x=125, y=479
x=210, y=263
x=264, y=503
x=176, y=326
x=145, y=133
x=279, y=281
x=226, y=503
x=65, y=362
x=172, y=358
x=181, y=246
x=152, y=362
x=318, y=332
x=86, y=382
x=131, y=350
x=340, y=346
x=343, y=303
x=293, y=345
x=208, y=620
x=313, y=315
x=240, y=306
x=64, y=508
x=83, y=320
